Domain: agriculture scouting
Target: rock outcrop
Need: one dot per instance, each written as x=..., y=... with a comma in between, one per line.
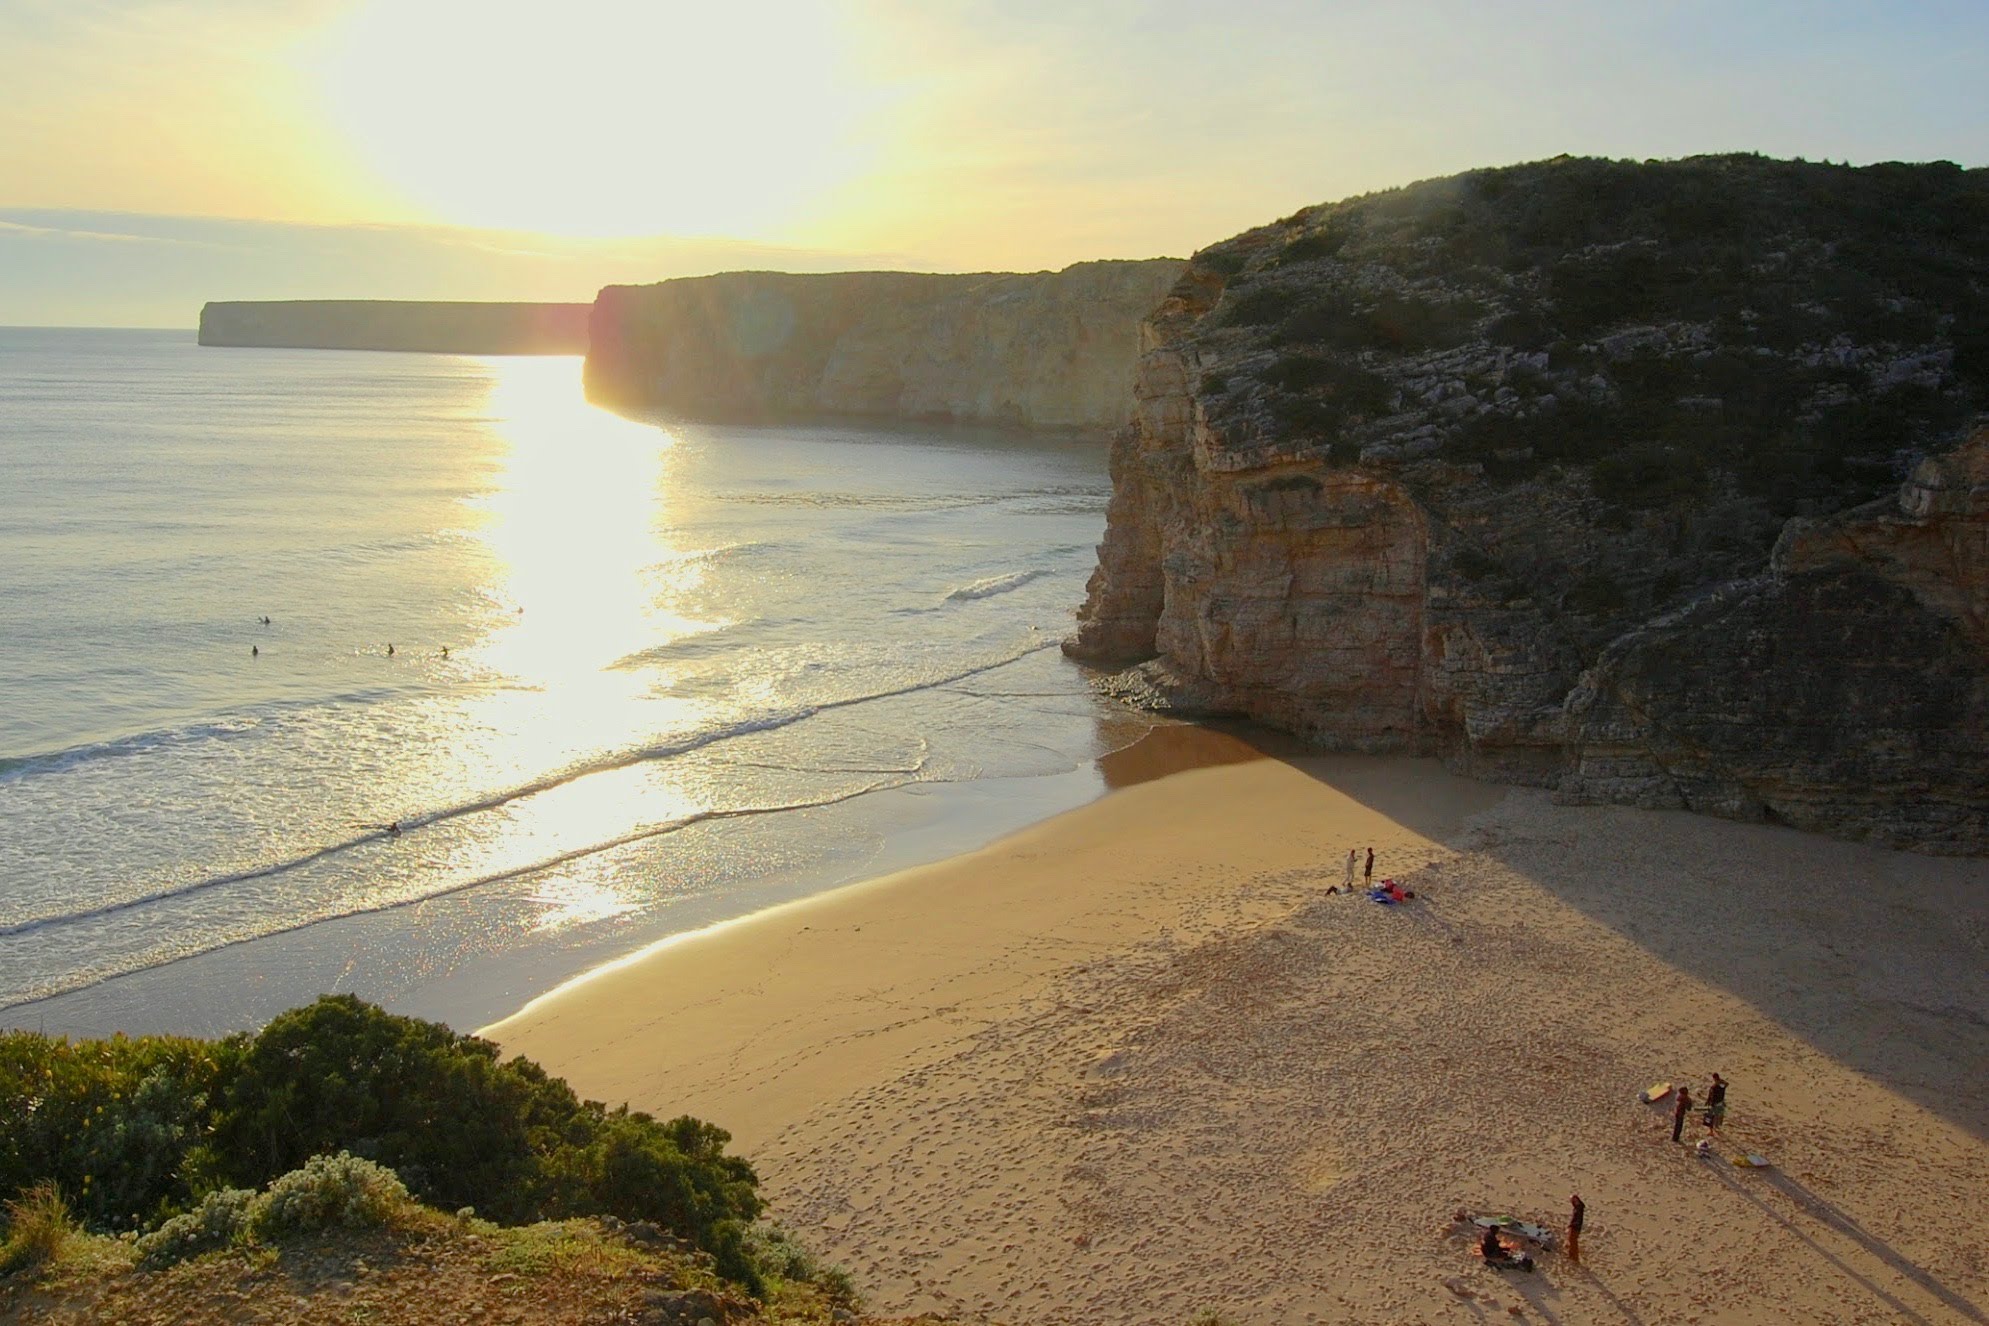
x=1652, y=484
x=428, y=326
x=1050, y=350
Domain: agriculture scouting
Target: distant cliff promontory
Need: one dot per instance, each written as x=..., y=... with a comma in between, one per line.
x=1651, y=483
x=432, y=326
x=1042, y=350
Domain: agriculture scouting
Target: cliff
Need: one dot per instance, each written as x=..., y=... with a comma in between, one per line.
x=391, y=324
x=1045, y=350
x=1652, y=484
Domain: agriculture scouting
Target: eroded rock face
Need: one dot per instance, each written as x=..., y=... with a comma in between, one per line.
x=1049, y=350
x=1430, y=541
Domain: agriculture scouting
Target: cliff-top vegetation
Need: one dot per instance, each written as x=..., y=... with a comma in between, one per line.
x=133, y=1155
x=1714, y=344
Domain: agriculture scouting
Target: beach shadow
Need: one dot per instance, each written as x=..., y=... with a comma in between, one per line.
x=1821, y=1210
x=1893, y=1260
x=1172, y=748
x=1601, y=1286
x=1833, y=904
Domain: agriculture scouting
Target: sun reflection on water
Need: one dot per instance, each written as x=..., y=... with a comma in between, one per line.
x=586, y=575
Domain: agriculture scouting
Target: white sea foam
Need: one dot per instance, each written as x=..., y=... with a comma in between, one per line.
x=993, y=585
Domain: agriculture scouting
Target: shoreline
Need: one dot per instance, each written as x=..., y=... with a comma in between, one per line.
x=1133, y=1063
x=436, y=958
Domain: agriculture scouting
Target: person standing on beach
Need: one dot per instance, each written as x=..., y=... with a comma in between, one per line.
x=1578, y=1211
x=1716, y=1102
x=1351, y=854
x=1679, y=1112
x=1369, y=877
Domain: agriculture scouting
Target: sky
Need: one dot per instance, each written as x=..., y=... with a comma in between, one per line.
x=155, y=154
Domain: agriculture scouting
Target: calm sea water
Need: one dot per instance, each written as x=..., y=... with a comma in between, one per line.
x=605, y=679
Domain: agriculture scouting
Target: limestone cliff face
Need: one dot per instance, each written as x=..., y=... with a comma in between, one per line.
x=427, y=326
x=1721, y=548
x=1046, y=350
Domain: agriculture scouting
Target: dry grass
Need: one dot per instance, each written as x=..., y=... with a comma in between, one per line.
x=39, y=1227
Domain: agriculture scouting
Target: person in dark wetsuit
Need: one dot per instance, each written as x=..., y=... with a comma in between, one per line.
x=1679, y=1112
x=1490, y=1248
x=1578, y=1211
x=1368, y=877
x=1716, y=1102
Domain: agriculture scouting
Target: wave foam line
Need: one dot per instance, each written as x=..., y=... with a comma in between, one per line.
x=462, y=886
x=993, y=585
x=499, y=800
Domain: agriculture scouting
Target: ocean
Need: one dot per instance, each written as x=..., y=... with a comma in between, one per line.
x=419, y=677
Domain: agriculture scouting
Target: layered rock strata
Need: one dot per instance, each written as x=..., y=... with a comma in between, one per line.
x=1049, y=350
x=1405, y=474
x=427, y=326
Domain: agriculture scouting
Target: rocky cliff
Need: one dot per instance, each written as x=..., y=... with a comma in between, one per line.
x=1045, y=350
x=436, y=327
x=1649, y=483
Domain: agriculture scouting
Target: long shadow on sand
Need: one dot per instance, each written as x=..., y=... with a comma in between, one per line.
x=1831, y=1217
x=1879, y=959
x=1872, y=957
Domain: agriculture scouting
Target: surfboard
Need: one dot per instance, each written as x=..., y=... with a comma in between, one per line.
x=1511, y=1225
x=1655, y=1092
x=1752, y=1161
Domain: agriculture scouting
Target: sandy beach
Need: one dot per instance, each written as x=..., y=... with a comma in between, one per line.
x=1136, y=1064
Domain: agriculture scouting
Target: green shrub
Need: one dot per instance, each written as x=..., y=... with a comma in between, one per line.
x=1223, y=262
x=1474, y=565
x=342, y=1191
x=1644, y=476
x=1257, y=306
x=1314, y=244
x=1596, y=594
x=146, y=1129
x=221, y=1218
x=1405, y=323
x=120, y=1125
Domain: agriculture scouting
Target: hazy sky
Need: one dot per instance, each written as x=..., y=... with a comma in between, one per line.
x=158, y=153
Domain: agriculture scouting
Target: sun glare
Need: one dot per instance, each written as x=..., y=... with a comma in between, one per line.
x=596, y=117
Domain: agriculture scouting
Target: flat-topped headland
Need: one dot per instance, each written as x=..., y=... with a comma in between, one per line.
x=427, y=326
x=1650, y=483
x=1042, y=350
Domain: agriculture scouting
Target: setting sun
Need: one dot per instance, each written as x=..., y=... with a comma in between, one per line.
x=604, y=118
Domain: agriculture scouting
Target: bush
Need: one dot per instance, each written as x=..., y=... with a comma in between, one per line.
x=341, y=1191
x=148, y=1128
x=221, y=1218
x=1316, y=244
x=1258, y=306
x=38, y=1227
x=1223, y=262
x=119, y=1125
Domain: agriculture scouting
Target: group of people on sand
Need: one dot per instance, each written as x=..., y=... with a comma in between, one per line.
x=1353, y=862
x=1713, y=1112
x=1388, y=891
x=1499, y=1257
